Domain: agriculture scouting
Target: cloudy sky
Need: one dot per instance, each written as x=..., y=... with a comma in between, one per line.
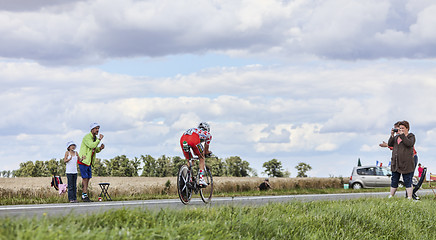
x=320, y=82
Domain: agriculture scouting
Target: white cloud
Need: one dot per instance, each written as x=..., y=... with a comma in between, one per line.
x=83, y=32
x=327, y=147
x=328, y=112
x=368, y=148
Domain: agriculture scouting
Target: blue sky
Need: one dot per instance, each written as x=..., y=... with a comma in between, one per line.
x=275, y=79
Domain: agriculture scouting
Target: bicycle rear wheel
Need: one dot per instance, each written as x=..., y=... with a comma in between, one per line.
x=206, y=193
x=183, y=179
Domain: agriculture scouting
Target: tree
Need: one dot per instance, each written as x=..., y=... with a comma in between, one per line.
x=126, y=167
x=163, y=166
x=149, y=169
x=53, y=167
x=217, y=166
x=62, y=167
x=26, y=169
x=236, y=167
x=273, y=168
x=302, y=168
x=100, y=169
x=136, y=163
x=286, y=173
x=40, y=169
x=253, y=172
x=120, y=166
x=177, y=162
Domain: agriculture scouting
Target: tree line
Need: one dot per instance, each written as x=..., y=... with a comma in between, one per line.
x=121, y=166
x=148, y=166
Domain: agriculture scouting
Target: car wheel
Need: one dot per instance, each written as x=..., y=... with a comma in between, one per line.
x=357, y=186
x=400, y=184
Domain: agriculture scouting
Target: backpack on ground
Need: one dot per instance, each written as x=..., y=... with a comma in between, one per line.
x=55, y=181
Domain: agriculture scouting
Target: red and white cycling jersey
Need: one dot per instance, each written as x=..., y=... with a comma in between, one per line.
x=204, y=135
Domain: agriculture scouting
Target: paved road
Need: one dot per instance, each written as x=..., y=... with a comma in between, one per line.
x=81, y=208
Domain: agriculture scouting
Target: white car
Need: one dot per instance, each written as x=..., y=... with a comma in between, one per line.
x=372, y=177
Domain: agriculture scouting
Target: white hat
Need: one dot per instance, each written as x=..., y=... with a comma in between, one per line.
x=70, y=143
x=94, y=125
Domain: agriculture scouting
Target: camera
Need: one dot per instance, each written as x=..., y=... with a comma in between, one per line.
x=395, y=129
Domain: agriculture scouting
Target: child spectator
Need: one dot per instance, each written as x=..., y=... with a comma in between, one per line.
x=71, y=157
x=420, y=170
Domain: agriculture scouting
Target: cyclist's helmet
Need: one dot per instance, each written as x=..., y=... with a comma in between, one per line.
x=204, y=126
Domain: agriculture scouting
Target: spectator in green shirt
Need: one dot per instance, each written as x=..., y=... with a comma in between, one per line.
x=88, y=150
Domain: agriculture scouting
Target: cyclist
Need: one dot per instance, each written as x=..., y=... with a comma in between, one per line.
x=193, y=138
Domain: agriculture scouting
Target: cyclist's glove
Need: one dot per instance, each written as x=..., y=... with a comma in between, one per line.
x=208, y=155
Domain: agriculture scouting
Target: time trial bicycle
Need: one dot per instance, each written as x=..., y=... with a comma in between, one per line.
x=188, y=181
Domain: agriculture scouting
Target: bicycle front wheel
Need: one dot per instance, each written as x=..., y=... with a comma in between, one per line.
x=183, y=181
x=206, y=192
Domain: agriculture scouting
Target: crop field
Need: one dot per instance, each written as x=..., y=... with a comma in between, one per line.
x=366, y=218
x=38, y=190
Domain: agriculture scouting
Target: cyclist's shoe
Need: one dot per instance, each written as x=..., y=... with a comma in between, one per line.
x=202, y=183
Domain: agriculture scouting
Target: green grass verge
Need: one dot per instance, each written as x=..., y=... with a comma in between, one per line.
x=367, y=218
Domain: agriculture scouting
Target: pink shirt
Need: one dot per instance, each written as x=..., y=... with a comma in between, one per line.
x=420, y=170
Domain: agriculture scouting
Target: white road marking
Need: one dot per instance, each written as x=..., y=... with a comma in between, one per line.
x=97, y=205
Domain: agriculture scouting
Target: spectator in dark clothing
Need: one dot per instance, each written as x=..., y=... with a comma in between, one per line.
x=385, y=144
x=402, y=157
x=265, y=185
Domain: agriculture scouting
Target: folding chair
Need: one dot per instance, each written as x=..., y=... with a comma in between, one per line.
x=104, y=194
x=432, y=179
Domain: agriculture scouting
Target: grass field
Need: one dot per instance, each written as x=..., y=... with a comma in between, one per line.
x=38, y=190
x=368, y=218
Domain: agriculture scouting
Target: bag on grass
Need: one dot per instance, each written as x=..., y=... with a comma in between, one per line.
x=55, y=181
x=62, y=188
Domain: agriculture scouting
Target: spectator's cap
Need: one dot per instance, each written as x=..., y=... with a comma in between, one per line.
x=266, y=179
x=94, y=125
x=70, y=143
